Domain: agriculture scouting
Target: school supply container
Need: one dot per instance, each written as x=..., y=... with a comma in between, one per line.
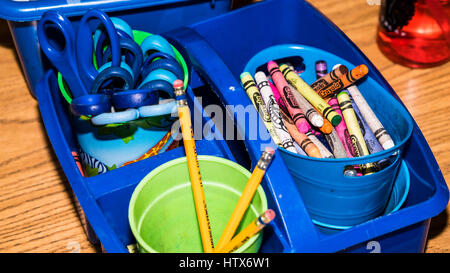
x=22, y=17
x=220, y=57
x=162, y=212
x=215, y=60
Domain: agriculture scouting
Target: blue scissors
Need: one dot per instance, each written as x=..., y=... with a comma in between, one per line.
x=85, y=46
x=57, y=39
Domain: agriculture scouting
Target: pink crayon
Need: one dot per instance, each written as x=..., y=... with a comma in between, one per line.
x=341, y=129
x=277, y=96
x=294, y=110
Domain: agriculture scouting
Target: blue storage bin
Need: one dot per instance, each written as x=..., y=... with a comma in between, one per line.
x=155, y=16
x=220, y=57
x=216, y=58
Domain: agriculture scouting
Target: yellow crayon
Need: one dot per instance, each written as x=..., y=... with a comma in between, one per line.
x=324, y=108
x=246, y=197
x=194, y=169
x=248, y=232
x=354, y=130
x=253, y=93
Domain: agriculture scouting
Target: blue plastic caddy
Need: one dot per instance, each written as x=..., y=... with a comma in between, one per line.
x=217, y=51
x=156, y=16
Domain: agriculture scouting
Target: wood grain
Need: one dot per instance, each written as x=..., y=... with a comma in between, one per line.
x=37, y=212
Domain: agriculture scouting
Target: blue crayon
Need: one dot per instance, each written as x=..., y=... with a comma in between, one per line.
x=322, y=139
x=371, y=141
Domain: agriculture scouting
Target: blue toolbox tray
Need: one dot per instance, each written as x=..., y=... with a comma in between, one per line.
x=216, y=58
x=156, y=16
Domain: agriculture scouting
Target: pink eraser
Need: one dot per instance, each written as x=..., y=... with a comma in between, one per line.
x=178, y=84
x=270, y=214
x=269, y=150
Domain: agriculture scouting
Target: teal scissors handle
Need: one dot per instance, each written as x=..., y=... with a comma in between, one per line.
x=57, y=40
x=85, y=45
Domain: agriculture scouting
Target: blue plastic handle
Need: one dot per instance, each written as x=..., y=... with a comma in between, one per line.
x=132, y=47
x=108, y=72
x=156, y=43
x=63, y=58
x=85, y=45
x=115, y=117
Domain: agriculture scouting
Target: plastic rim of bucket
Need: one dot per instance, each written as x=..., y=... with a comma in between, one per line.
x=397, y=198
x=147, y=179
x=139, y=36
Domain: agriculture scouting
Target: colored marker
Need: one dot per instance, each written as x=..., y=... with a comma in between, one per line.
x=371, y=141
x=311, y=114
x=309, y=94
x=274, y=112
x=354, y=130
x=287, y=96
x=302, y=140
x=341, y=129
x=346, y=80
x=375, y=125
x=246, y=197
x=321, y=69
x=194, y=169
x=254, y=95
x=248, y=232
x=334, y=75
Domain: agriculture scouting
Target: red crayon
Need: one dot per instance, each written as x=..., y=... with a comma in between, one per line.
x=294, y=110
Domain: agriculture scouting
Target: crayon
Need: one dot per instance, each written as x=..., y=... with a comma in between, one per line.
x=246, y=197
x=309, y=94
x=278, y=99
x=341, y=129
x=321, y=69
x=249, y=231
x=371, y=141
x=336, y=145
x=193, y=167
x=338, y=71
x=321, y=138
x=299, y=149
x=302, y=140
x=287, y=96
x=346, y=80
x=254, y=95
x=311, y=114
x=274, y=112
x=354, y=131
x=375, y=125
x=326, y=128
x=323, y=150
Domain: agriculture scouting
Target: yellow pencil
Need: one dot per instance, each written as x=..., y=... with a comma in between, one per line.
x=194, y=170
x=246, y=197
x=248, y=232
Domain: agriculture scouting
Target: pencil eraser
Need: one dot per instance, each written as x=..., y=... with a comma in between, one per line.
x=270, y=214
x=269, y=150
x=178, y=84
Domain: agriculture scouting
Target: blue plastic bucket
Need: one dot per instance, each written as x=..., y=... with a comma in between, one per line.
x=332, y=198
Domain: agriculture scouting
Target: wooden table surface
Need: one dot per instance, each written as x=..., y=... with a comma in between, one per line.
x=37, y=213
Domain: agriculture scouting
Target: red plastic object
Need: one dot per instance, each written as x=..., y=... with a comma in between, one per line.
x=415, y=33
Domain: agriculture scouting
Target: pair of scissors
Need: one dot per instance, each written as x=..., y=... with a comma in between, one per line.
x=57, y=39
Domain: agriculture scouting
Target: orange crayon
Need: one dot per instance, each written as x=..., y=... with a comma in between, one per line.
x=334, y=75
x=345, y=80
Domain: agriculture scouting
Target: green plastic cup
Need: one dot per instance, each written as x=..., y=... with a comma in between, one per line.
x=162, y=213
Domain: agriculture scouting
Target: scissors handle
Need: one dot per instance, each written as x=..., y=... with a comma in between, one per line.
x=56, y=38
x=85, y=45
